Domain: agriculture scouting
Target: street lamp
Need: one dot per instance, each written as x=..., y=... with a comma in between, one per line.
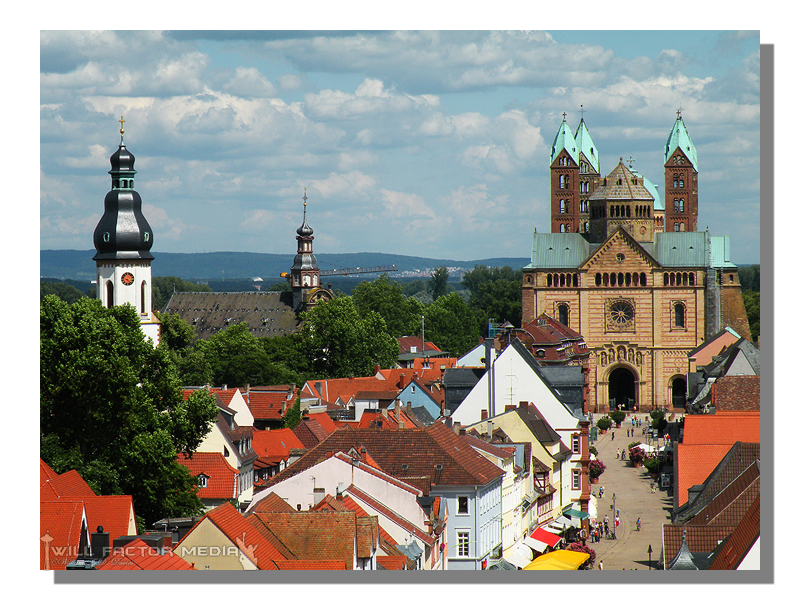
x=614, y=512
x=649, y=557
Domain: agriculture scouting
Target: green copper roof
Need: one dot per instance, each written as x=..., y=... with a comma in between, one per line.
x=564, y=140
x=679, y=138
x=559, y=251
x=681, y=249
x=585, y=145
x=721, y=252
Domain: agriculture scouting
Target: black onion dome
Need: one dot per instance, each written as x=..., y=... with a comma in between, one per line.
x=122, y=161
x=123, y=232
x=305, y=228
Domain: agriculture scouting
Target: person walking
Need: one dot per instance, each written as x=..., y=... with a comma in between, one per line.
x=600, y=566
x=612, y=436
x=617, y=452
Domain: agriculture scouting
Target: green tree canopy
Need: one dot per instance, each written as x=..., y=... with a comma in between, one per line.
x=68, y=293
x=437, y=284
x=752, y=305
x=112, y=408
x=495, y=293
x=451, y=325
x=386, y=298
x=340, y=342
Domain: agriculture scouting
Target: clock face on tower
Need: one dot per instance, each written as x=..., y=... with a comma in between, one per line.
x=127, y=278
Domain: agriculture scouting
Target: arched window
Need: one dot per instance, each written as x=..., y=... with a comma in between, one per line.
x=680, y=315
x=605, y=279
x=143, y=306
x=549, y=280
x=666, y=279
x=109, y=294
x=613, y=279
x=574, y=280
x=562, y=228
x=642, y=279
x=598, y=279
x=691, y=278
x=563, y=314
x=562, y=206
x=561, y=280
x=677, y=227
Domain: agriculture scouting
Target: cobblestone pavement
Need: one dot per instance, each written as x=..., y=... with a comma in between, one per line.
x=634, y=499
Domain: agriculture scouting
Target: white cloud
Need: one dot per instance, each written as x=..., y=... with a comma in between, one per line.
x=249, y=82
x=402, y=206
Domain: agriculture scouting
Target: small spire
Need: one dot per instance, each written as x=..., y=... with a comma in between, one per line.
x=631, y=160
x=121, y=130
x=582, y=111
x=564, y=115
x=678, y=112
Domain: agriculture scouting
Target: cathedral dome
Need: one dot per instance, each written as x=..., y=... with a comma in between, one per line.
x=305, y=228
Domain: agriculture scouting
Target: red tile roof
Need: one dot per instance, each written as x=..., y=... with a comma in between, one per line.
x=316, y=535
x=699, y=538
x=54, y=486
x=391, y=420
x=60, y=533
x=242, y=534
x=722, y=428
x=694, y=463
x=311, y=565
x=384, y=512
x=267, y=404
x=737, y=393
x=222, y=477
x=310, y=432
x=139, y=556
x=275, y=443
x=272, y=503
x=408, y=342
x=742, y=539
x=420, y=450
x=392, y=563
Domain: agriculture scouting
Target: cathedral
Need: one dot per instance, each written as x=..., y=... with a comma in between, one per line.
x=628, y=270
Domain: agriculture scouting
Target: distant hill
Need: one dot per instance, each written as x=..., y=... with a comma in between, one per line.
x=78, y=264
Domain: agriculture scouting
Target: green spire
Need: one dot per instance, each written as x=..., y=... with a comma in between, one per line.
x=564, y=140
x=585, y=145
x=679, y=138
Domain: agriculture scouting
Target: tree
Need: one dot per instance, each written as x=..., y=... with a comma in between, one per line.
x=437, y=284
x=495, y=293
x=293, y=415
x=386, y=298
x=451, y=325
x=340, y=342
x=68, y=293
x=752, y=305
x=112, y=408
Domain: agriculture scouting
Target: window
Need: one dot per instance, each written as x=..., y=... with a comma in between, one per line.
x=463, y=543
x=563, y=314
x=576, y=479
x=680, y=315
x=576, y=444
x=463, y=505
x=202, y=481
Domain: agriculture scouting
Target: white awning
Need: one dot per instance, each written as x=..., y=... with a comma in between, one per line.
x=568, y=521
x=537, y=545
x=521, y=557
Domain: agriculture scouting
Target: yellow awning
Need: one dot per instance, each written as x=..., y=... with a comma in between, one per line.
x=560, y=560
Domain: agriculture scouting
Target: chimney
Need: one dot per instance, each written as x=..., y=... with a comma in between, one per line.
x=224, y=386
x=385, y=412
x=397, y=406
x=283, y=407
x=457, y=428
x=484, y=414
x=523, y=404
x=100, y=544
x=246, y=388
x=510, y=407
x=401, y=425
x=402, y=381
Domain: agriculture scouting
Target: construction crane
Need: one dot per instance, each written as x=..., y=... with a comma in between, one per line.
x=358, y=271
x=353, y=271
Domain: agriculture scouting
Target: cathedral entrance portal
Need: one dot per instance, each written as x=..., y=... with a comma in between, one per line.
x=679, y=393
x=621, y=389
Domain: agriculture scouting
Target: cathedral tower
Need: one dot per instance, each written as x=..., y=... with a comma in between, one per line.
x=680, y=180
x=123, y=239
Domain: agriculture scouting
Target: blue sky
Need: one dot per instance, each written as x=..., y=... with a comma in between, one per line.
x=427, y=143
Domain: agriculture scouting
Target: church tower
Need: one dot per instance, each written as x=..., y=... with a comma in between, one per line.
x=304, y=276
x=123, y=239
x=564, y=181
x=680, y=180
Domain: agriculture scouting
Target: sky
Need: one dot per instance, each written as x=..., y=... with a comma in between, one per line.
x=426, y=143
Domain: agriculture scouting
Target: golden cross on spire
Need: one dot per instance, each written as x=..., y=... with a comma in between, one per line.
x=564, y=115
x=121, y=123
x=304, y=197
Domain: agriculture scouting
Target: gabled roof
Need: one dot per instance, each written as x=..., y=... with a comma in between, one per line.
x=310, y=432
x=736, y=547
x=137, y=555
x=643, y=251
x=559, y=251
x=53, y=486
x=272, y=503
x=384, y=512
x=241, y=534
x=267, y=314
x=222, y=477
x=421, y=450
x=720, y=472
x=275, y=443
x=412, y=343
x=60, y=525
x=316, y=535
x=267, y=405
x=681, y=249
x=729, y=506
